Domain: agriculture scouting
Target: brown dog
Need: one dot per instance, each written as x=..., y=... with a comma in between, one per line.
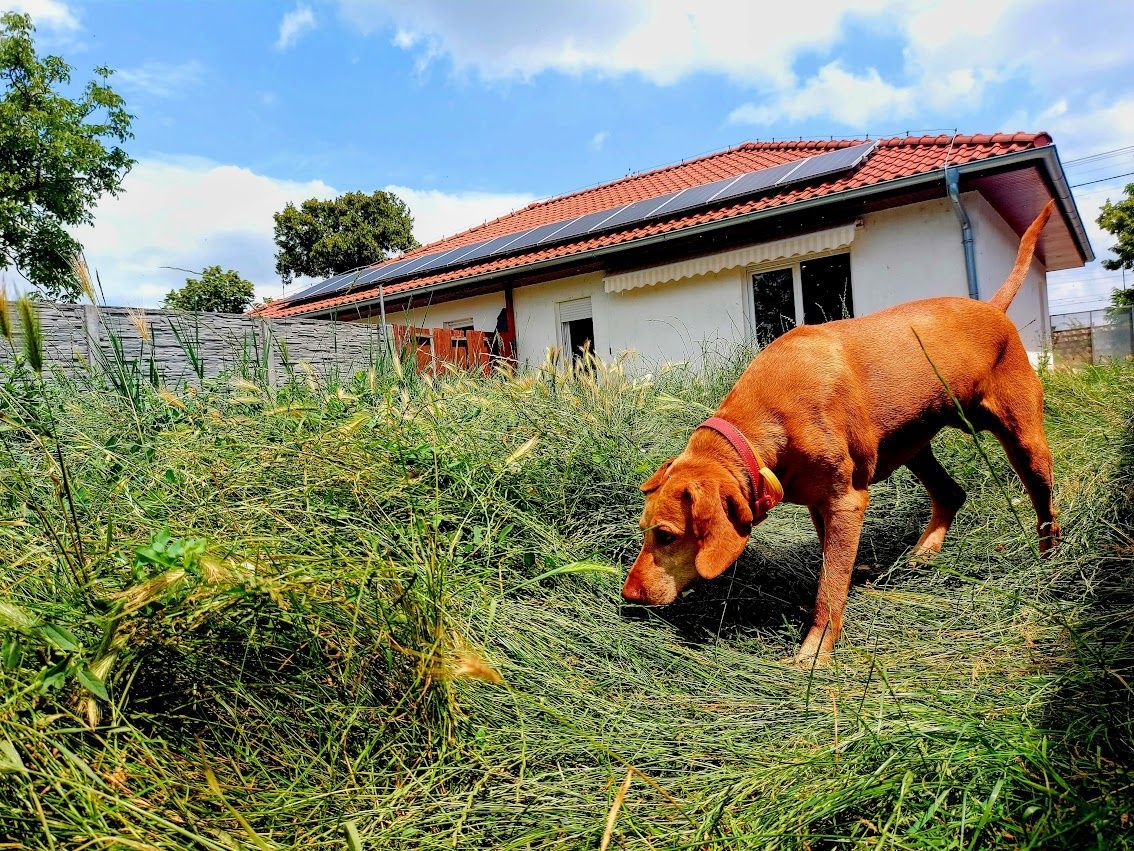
x=831, y=409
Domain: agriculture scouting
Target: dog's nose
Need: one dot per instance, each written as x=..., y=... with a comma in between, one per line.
x=632, y=591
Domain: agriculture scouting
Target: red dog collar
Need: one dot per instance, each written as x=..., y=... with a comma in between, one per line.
x=767, y=492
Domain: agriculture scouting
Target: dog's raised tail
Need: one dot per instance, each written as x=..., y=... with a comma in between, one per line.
x=1008, y=290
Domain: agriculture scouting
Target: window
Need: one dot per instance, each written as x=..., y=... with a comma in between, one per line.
x=459, y=325
x=826, y=289
x=811, y=292
x=774, y=296
x=577, y=328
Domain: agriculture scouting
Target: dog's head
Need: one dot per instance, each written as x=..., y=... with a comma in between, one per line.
x=695, y=524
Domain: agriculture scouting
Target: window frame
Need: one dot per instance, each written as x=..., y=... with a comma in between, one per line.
x=796, y=284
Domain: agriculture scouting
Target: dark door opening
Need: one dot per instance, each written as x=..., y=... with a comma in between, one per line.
x=580, y=337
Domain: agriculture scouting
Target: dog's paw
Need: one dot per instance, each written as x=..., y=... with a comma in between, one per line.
x=1050, y=535
x=921, y=557
x=810, y=657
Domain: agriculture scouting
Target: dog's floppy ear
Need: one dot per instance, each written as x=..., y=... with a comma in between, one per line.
x=722, y=522
x=654, y=481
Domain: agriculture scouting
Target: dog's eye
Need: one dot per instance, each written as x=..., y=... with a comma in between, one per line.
x=663, y=538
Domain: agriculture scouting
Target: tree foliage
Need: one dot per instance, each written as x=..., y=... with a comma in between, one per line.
x=323, y=238
x=212, y=290
x=58, y=155
x=1117, y=219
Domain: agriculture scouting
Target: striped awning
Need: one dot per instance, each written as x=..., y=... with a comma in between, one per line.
x=751, y=255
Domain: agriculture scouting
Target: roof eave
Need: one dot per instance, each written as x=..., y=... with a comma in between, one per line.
x=1045, y=154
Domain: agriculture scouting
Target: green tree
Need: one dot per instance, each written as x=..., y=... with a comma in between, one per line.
x=58, y=155
x=212, y=290
x=1118, y=220
x=323, y=238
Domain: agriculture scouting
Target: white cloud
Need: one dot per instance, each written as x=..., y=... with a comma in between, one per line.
x=161, y=79
x=599, y=139
x=51, y=14
x=1095, y=123
x=951, y=53
x=662, y=40
x=1083, y=127
x=190, y=213
x=293, y=26
x=438, y=214
x=853, y=100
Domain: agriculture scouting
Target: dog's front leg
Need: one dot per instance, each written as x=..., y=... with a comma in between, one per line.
x=842, y=525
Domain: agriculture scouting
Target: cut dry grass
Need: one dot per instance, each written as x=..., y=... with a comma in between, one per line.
x=385, y=614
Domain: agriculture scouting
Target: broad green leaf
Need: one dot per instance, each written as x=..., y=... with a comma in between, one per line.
x=59, y=637
x=11, y=652
x=354, y=841
x=90, y=682
x=10, y=762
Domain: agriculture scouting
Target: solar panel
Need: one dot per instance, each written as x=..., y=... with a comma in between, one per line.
x=637, y=211
x=486, y=248
x=559, y=227
x=694, y=196
x=330, y=285
x=582, y=225
x=383, y=272
x=841, y=159
x=465, y=250
x=315, y=288
x=757, y=181
x=535, y=236
x=438, y=259
x=418, y=263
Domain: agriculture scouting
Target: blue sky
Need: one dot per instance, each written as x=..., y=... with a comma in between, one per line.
x=470, y=109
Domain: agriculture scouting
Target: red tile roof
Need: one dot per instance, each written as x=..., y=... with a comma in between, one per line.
x=892, y=158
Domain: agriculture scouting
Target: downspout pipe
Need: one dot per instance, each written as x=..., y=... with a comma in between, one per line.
x=382, y=309
x=952, y=184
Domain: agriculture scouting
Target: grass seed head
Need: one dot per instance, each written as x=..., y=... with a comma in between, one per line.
x=5, y=315
x=31, y=332
x=83, y=275
x=137, y=318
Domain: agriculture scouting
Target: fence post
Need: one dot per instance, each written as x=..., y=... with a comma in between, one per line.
x=269, y=340
x=94, y=331
x=1130, y=319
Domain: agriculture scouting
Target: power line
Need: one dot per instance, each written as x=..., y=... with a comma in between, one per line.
x=1102, y=179
x=1099, y=155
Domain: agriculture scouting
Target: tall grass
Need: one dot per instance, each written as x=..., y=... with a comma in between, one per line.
x=382, y=611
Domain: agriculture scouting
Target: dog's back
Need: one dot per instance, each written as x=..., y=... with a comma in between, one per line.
x=888, y=370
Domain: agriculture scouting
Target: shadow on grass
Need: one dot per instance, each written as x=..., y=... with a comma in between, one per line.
x=772, y=588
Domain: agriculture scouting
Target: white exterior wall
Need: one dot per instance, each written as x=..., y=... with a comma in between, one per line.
x=668, y=322
x=906, y=254
x=902, y=254
x=482, y=309
x=996, y=246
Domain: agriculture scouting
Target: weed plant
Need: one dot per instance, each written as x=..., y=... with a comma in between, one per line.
x=381, y=611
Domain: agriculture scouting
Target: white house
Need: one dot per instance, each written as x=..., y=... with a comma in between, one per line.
x=736, y=244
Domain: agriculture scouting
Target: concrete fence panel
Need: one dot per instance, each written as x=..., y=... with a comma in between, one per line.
x=185, y=347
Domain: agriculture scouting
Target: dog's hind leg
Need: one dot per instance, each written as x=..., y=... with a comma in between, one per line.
x=945, y=495
x=1015, y=416
x=1030, y=456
